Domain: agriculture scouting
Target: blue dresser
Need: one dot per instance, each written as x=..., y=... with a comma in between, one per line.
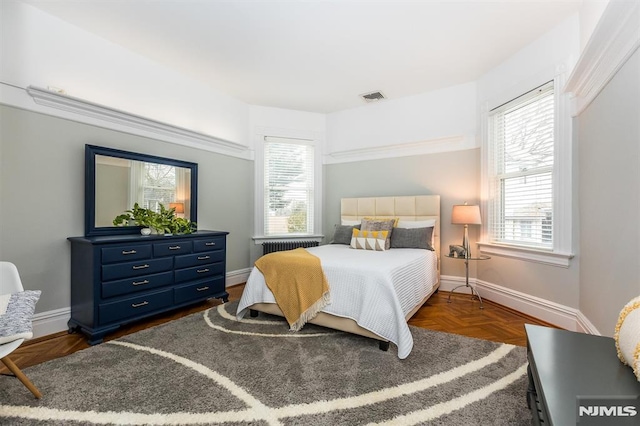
x=119, y=279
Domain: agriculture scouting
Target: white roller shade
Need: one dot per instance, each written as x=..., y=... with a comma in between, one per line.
x=521, y=141
x=288, y=186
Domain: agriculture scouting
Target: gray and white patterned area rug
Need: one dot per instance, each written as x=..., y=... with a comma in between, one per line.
x=208, y=368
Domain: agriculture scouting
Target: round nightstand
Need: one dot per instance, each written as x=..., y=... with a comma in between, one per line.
x=474, y=292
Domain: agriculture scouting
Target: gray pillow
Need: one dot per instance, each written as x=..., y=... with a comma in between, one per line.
x=342, y=234
x=379, y=225
x=419, y=238
x=16, y=313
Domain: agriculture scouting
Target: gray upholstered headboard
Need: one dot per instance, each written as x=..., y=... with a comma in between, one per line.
x=415, y=207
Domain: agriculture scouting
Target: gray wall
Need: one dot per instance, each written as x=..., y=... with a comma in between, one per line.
x=42, y=184
x=42, y=195
x=553, y=283
x=113, y=201
x=455, y=176
x=609, y=197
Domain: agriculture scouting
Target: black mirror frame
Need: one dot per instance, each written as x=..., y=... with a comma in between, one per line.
x=90, y=153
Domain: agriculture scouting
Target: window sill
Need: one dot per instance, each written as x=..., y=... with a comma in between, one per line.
x=562, y=260
x=262, y=239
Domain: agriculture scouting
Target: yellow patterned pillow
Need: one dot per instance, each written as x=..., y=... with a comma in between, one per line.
x=368, y=240
x=379, y=225
x=395, y=219
x=627, y=335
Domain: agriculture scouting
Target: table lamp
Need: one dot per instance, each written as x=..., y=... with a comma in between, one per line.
x=463, y=214
x=179, y=208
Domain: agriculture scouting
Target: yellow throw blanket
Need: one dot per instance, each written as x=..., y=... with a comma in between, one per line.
x=298, y=284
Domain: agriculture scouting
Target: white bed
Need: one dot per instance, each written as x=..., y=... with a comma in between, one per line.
x=373, y=293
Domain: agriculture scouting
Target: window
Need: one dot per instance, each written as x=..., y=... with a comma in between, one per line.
x=289, y=187
x=159, y=185
x=521, y=144
x=152, y=184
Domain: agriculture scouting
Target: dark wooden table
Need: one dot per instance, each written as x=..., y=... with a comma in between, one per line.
x=565, y=365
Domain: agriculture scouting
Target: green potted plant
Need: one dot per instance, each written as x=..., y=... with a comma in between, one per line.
x=138, y=215
x=180, y=225
x=163, y=222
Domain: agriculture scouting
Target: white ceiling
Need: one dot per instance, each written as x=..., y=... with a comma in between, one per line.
x=319, y=55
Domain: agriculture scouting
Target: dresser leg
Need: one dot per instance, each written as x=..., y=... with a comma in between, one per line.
x=531, y=390
x=96, y=339
x=72, y=327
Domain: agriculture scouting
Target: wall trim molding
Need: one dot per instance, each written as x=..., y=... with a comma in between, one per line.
x=615, y=38
x=431, y=146
x=55, y=321
x=69, y=107
x=532, y=255
x=236, y=277
x=50, y=322
x=545, y=310
x=585, y=326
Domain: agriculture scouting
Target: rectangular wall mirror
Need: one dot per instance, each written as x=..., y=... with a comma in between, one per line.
x=115, y=180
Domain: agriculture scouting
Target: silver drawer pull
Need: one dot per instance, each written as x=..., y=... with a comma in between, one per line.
x=137, y=305
x=140, y=266
x=125, y=252
x=201, y=271
x=209, y=244
x=174, y=248
x=202, y=288
x=140, y=282
x=204, y=257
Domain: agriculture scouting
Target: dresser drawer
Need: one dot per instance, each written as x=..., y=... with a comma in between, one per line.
x=118, y=279
x=199, y=290
x=199, y=259
x=209, y=244
x=198, y=272
x=126, y=253
x=136, y=269
x=172, y=249
x=131, y=285
x=135, y=306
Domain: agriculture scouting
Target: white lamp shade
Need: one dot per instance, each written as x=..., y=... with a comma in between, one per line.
x=466, y=215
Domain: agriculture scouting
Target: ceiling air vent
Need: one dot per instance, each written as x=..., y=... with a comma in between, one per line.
x=373, y=96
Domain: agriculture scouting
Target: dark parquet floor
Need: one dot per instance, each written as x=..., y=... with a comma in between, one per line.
x=462, y=316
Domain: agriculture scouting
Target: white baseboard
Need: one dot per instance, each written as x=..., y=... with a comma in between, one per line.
x=50, y=322
x=239, y=276
x=55, y=321
x=545, y=310
x=585, y=326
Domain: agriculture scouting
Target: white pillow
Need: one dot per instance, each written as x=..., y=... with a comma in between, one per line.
x=349, y=222
x=410, y=224
x=627, y=335
x=369, y=240
x=16, y=313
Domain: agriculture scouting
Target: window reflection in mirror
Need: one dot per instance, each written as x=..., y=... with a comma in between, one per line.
x=120, y=183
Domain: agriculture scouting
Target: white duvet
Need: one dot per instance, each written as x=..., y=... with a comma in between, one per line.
x=375, y=288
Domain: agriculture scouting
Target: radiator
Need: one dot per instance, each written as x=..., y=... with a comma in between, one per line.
x=286, y=245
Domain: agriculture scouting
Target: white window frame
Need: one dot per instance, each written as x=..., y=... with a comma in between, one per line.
x=144, y=186
x=561, y=252
x=316, y=140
